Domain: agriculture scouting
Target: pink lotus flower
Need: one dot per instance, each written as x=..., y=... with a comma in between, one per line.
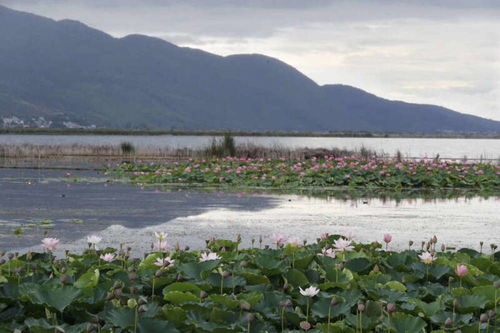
x=50, y=244
x=108, y=257
x=209, y=256
x=164, y=262
x=461, y=270
x=342, y=245
x=427, y=258
x=387, y=238
x=278, y=238
x=324, y=235
x=161, y=246
x=328, y=253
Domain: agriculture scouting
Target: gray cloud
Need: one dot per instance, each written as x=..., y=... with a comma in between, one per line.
x=444, y=52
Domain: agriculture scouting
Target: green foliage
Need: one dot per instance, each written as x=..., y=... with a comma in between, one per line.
x=354, y=292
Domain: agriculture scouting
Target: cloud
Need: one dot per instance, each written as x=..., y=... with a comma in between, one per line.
x=444, y=52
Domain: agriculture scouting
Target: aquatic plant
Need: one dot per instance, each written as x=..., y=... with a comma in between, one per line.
x=289, y=288
x=328, y=171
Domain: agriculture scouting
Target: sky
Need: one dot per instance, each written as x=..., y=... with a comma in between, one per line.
x=444, y=52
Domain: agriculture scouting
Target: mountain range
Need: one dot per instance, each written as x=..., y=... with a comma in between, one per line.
x=66, y=74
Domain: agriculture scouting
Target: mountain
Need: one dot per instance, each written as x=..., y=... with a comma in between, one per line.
x=66, y=74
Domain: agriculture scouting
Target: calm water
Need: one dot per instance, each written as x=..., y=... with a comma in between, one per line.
x=410, y=147
x=40, y=202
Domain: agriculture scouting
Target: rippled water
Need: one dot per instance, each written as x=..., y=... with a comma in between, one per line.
x=35, y=203
x=410, y=147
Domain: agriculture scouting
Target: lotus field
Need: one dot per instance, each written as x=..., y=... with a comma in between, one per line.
x=324, y=172
x=333, y=285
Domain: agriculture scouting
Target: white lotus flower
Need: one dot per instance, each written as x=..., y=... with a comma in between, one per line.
x=209, y=256
x=164, y=262
x=94, y=240
x=108, y=257
x=309, y=292
x=342, y=245
x=161, y=236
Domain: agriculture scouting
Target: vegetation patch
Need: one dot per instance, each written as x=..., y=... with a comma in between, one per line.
x=326, y=171
x=333, y=285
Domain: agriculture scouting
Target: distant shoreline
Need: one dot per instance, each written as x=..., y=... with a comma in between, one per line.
x=67, y=131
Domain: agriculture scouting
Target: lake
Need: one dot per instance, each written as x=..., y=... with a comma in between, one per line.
x=409, y=147
x=35, y=203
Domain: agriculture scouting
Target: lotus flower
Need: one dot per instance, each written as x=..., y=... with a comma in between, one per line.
x=108, y=257
x=50, y=244
x=164, y=262
x=324, y=235
x=278, y=238
x=387, y=238
x=161, y=246
x=328, y=253
x=161, y=236
x=309, y=292
x=208, y=256
x=461, y=270
x=94, y=240
x=427, y=258
x=342, y=245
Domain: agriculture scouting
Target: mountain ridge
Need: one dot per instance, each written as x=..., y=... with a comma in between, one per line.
x=64, y=73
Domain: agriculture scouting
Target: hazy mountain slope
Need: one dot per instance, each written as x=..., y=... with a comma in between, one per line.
x=67, y=72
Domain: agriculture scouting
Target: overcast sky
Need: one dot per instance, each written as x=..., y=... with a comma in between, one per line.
x=444, y=52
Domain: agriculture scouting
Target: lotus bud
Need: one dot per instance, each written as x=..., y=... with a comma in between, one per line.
x=203, y=294
x=63, y=279
x=180, y=278
x=260, y=240
x=244, y=305
x=391, y=307
x=448, y=322
x=305, y=242
x=434, y=239
x=250, y=317
x=483, y=318
x=253, y=241
x=305, y=325
x=143, y=308
x=225, y=274
x=443, y=248
x=158, y=273
x=29, y=255
x=428, y=246
x=334, y=301
x=410, y=243
x=142, y=300
x=266, y=247
x=132, y=303
x=491, y=314
x=186, y=248
x=285, y=287
x=361, y=307
x=456, y=304
x=376, y=269
x=496, y=284
x=243, y=263
x=207, y=241
x=238, y=238
x=118, y=292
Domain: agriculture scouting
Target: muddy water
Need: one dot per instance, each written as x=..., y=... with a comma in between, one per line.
x=35, y=203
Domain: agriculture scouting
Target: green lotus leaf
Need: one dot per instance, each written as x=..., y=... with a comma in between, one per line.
x=404, y=323
x=253, y=279
x=121, y=317
x=359, y=265
x=148, y=325
x=88, y=280
x=296, y=278
x=395, y=285
x=198, y=270
x=56, y=297
x=337, y=327
x=441, y=316
x=174, y=314
x=225, y=300
x=178, y=297
x=469, y=303
x=438, y=271
x=182, y=286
